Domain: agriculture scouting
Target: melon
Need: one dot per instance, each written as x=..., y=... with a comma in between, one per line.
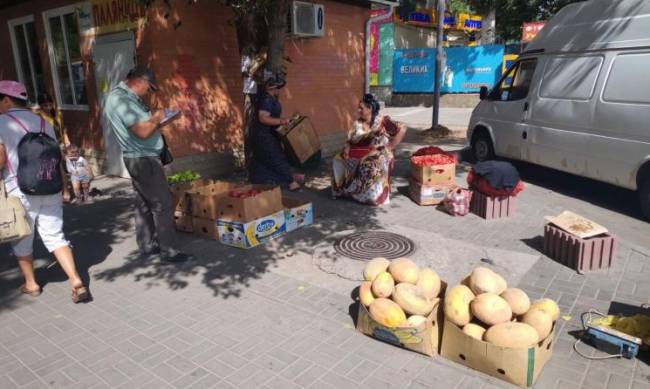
x=474, y=330
x=387, y=313
x=412, y=302
x=540, y=321
x=517, y=299
x=415, y=321
x=428, y=283
x=484, y=280
x=549, y=306
x=511, y=334
x=383, y=285
x=365, y=293
x=404, y=270
x=491, y=309
x=456, y=305
x=374, y=267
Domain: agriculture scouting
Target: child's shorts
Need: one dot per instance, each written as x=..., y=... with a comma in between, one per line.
x=81, y=179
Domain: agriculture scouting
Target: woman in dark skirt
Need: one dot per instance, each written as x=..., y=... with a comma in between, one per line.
x=270, y=163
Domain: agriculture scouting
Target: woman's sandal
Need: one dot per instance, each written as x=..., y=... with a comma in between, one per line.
x=30, y=292
x=79, y=294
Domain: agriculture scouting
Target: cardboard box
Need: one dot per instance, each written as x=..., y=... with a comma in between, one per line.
x=519, y=366
x=435, y=174
x=206, y=228
x=428, y=194
x=297, y=213
x=245, y=235
x=266, y=202
x=300, y=139
x=180, y=190
x=424, y=339
x=580, y=254
x=202, y=202
x=183, y=222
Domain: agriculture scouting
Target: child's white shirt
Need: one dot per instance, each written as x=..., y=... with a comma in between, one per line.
x=78, y=168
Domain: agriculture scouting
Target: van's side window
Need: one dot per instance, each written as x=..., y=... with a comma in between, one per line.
x=515, y=85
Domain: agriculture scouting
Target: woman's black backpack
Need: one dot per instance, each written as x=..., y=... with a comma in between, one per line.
x=39, y=162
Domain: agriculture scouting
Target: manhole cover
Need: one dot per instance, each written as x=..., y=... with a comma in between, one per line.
x=371, y=244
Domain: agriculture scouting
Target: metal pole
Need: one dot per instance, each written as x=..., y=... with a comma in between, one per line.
x=440, y=15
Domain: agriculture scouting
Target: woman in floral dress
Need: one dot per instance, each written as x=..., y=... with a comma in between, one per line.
x=362, y=170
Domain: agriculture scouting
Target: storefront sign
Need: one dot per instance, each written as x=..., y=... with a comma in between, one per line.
x=469, y=22
x=469, y=68
x=530, y=30
x=117, y=15
x=413, y=70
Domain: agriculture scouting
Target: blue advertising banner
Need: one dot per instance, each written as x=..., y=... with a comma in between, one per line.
x=469, y=68
x=413, y=70
x=466, y=70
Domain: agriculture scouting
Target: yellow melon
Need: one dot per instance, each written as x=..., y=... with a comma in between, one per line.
x=383, y=285
x=484, y=280
x=474, y=330
x=540, y=321
x=428, y=283
x=412, y=302
x=365, y=293
x=387, y=313
x=404, y=270
x=549, y=306
x=456, y=305
x=415, y=321
x=491, y=309
x=511, y=334
x=517, y=299
x=374, y=267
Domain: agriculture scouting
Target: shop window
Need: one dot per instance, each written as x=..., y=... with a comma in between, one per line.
x=26, y=56
x=63, y=40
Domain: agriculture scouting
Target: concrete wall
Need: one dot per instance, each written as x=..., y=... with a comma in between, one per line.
x=410, y=37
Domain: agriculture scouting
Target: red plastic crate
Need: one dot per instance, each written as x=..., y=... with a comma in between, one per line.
x=579, y=254
x=492, y=207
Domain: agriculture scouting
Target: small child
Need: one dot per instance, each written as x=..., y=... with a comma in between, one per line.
x=80, y=174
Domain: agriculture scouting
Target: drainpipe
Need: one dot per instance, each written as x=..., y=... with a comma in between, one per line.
x=370, y=21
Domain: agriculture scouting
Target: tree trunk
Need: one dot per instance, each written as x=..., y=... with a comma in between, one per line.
x=247, y=37
x=277, y=33
x=488, y=29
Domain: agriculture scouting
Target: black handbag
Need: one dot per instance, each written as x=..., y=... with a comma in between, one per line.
x=166, y=156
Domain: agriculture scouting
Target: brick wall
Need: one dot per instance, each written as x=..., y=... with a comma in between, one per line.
x=197, y=65
x=326, y=77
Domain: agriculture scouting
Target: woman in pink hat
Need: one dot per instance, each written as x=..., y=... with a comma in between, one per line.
x=45, y=211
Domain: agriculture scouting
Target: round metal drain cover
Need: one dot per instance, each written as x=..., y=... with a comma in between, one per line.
x=365, y=246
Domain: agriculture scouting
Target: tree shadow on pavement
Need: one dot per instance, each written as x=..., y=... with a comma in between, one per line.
x=92, y=229
x=227, y=270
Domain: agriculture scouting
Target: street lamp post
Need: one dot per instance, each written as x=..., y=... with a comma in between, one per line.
x=440, y=15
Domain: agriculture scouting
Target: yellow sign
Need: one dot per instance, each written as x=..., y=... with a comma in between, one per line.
x=117, y=15
x=508, y=59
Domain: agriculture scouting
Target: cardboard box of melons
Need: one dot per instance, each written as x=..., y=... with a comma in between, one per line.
x=497, y=330
x=400, y=303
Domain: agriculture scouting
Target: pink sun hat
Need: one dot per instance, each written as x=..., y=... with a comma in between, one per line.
x=13, y=89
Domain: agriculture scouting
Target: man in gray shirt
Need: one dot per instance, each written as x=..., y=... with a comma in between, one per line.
x=138, y=133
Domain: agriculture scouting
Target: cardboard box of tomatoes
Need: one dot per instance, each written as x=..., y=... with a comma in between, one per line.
x=249, y=202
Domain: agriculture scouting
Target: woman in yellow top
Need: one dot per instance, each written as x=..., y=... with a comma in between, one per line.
x=48, y=111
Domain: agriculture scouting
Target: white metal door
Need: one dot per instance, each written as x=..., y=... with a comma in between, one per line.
x=508, y=111
x=114, y=56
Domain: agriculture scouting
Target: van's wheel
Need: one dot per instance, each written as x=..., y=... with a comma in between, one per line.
x=644, y=197
x=482, y=148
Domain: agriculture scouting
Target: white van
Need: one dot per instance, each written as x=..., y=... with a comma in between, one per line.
x=578, y=98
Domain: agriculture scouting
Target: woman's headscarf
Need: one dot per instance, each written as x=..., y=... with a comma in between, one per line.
x=371, y=101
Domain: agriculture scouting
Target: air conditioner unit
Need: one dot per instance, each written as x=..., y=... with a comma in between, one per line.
x=307, y=19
